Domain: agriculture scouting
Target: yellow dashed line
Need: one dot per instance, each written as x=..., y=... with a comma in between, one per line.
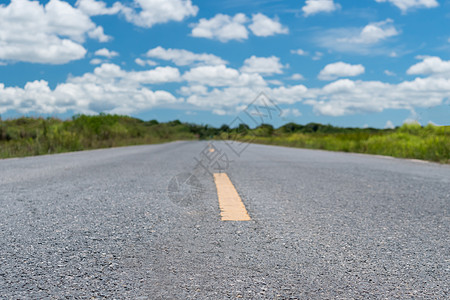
x=231, y=206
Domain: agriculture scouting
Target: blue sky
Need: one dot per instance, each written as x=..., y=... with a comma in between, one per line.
x=376, y=63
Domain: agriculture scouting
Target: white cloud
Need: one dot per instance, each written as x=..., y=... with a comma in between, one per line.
x=222, y=27
x=275, y=82
x=151, y=12
x=221, y=88
x=405, y=5
x=291, y=112
x=96, y=8
x=96, y=61
x=226, y=99
x=389, y=125
x=220, y=76
x=193, y=89
x=226, y=28
x=143, y=63
x=111, y=89
x=313, y=7
x=434, y=66
x=340, y=69
x=50, y=34
x=106, y=53
x=373, y=33
x=108, y=89
x=155, y=76
x=317, y=55
x=299, y=52
x=219, y=112
x=389, y=73
x=232, y=99
x=99, y=34
x=263, y=65
x=345, y=97
x=289, y=94
x=143, y=13
x=140, y=62
x=182, y=57
x=360, y=40
x=297, y=77
x=60, y=18
x=265, y=26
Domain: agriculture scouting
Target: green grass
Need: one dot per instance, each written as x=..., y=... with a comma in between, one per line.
x=408, y=141
x=37, y=136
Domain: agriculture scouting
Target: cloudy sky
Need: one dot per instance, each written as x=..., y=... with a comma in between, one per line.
x=373, y=63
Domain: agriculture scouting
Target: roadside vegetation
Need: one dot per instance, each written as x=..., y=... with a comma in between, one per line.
x=408, y=141
x=36, y=136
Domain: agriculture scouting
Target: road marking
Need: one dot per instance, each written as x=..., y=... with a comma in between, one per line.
x=231, y=206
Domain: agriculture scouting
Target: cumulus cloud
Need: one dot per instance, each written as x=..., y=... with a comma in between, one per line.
x=142, y=13
x=108, y=89
x=221, y=88
x=373, y=33
x=432, y=65
x=405, y=5
x=226, y=28
x=97, y=8
x=265, y=26
x=389, y=125
x=359, y=40
x=181, y=57
x=50, y=34
x=96, y=61
x=151, y=12
x=313, y=7
x=263, y=65
x=143, y=63
x=112, y=89
x=339, y=98
x=291, y=112
x=300, y=52
x=106, y=53
x=99, y=34
x=297, y=76
x=222, y=27
x=232, y=99
x=340, y=69
x=222, y=76
x=317, y=55
x=345, y=97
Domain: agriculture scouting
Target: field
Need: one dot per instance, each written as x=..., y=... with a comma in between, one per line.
x=36, y=136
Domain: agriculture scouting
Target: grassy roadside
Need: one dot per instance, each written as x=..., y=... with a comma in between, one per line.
x=430, y=143
x=35, y=136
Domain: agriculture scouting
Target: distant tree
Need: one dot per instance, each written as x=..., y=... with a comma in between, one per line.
x=291, y=127
x=242, y=129
x=224, y=128
x=153, y=122
x=174, y=123
x=264, y=130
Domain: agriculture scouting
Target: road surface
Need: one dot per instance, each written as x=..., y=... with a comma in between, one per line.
x=144, y=222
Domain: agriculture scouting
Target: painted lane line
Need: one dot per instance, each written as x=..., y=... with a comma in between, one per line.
x=231, y=206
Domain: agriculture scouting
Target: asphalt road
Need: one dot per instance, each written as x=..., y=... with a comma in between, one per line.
x=119, y=223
